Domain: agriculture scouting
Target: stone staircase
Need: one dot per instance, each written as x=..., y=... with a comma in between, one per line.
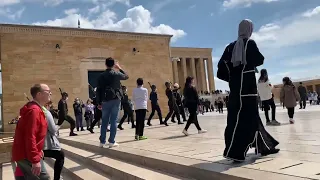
x=88, y=161
x=129, y=163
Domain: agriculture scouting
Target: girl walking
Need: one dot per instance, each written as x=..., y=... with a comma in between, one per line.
x=191, y=102
x=265, y=93
x=289, y=96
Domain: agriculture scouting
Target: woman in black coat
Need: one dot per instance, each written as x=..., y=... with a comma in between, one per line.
x=192, y=102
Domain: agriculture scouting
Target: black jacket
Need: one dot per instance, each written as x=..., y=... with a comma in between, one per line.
x=63, y=108
x=177, y=96
x=170, y=95
x=109, y=78
x=77, y=108
x=191, y=97
x=302, y=91
x=154, y=97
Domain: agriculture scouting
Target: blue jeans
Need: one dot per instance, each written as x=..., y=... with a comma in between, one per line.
x=110, y=112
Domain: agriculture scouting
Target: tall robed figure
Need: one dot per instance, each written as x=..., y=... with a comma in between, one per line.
x=237, y=66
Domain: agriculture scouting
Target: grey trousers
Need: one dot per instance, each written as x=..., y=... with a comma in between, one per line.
x=25, y=167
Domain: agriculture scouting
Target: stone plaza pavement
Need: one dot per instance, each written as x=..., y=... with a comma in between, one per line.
x=299, y=157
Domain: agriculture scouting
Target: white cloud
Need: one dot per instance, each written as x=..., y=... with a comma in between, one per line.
x=94, y=10
x=8, y=2
x=138, y=19
x=52, y=2
x=11, y=14
x=304, y=61
x=243, y=3
x=312, y=12
x=71, y=11
x=292, y=31
x=58, y=2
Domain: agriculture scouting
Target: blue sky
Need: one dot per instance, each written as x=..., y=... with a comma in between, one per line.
x=286, y=31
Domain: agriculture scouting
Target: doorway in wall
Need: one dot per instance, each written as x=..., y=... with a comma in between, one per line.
x=93, y=80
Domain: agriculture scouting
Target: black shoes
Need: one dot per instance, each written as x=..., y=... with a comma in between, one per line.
x=73, y=134
x=119, y=127
x=90, y=130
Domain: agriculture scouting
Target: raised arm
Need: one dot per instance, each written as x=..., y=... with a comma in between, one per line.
x=121, y=75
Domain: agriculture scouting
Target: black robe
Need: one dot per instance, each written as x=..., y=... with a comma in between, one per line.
x=244, y=126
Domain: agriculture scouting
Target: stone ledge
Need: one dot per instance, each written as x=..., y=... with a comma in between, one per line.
x=191, y=49
x=78, y=32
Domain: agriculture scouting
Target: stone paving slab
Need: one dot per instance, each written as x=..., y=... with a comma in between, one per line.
x=299, y=143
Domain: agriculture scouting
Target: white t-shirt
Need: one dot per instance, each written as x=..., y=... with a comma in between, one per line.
x=264, y=90
x=140, y=98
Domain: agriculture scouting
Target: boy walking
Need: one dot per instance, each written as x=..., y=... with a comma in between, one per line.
x=140, y=98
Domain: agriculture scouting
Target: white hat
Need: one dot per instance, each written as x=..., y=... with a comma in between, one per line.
x=176, y=85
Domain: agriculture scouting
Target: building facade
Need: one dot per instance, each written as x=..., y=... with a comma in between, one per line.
x=195, y=62
x=70, y=59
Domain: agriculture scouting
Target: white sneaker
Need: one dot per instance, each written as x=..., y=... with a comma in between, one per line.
x=185, y=132
x=101, y=145
x=111, y=145
x=291, y=121
x=202, y=131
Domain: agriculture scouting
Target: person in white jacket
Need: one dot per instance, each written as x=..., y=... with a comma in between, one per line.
x=266, y=96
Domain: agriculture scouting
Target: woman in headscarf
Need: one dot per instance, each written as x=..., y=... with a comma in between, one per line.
x=237, y=66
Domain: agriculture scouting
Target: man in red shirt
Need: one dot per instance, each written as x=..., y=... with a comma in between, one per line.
x=30, y=135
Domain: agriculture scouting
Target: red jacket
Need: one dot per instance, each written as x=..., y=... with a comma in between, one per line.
x=30, y=134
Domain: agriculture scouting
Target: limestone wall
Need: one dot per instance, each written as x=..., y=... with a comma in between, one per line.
x=29, y=55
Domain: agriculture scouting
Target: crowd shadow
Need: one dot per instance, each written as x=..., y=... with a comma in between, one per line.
x=224, y=165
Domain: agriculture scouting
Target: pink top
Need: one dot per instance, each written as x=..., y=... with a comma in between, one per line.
x=18, y=172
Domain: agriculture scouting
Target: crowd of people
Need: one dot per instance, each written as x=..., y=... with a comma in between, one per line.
x=36, y=132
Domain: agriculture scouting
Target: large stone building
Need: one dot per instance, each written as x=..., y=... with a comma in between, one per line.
x=196, y=62
x=71, y=59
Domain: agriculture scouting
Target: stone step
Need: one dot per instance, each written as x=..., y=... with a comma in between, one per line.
x=215, y=167
x=7, y=171
x=77, y=170
x=114, y=168
x=50, y=165
x=181, y=167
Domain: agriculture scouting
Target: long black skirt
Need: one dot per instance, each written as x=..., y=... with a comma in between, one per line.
x=245, y=129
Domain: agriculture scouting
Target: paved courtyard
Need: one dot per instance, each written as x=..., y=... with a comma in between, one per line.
x=299, y=157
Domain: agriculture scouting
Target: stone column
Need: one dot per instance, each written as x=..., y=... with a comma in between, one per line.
x=210, y=74
x=193, y=68
x=202, y=75
x=184, y=68
x=175, y=71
